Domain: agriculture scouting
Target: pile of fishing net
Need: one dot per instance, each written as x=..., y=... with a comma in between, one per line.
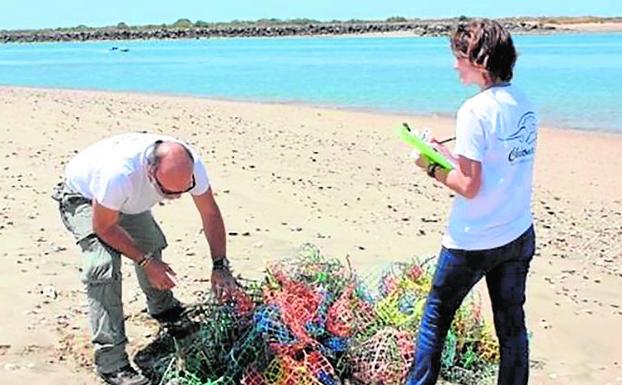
x=314, y=321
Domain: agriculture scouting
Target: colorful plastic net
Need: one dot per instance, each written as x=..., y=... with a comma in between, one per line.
x=313, y=320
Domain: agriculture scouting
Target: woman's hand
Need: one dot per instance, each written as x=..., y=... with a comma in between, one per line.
x=439, y=147
x=423, y=162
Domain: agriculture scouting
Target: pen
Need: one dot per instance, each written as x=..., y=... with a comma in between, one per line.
x=447, y=140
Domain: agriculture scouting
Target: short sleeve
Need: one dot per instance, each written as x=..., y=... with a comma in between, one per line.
x=200, y=177
x=470, y=137
x=111, y=190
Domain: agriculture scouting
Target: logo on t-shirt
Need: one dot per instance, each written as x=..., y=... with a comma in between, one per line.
x=523, y=139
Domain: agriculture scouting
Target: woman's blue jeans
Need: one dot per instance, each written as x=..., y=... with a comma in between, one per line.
x=505, y=269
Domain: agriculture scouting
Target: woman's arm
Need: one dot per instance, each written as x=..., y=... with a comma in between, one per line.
x=465, y=179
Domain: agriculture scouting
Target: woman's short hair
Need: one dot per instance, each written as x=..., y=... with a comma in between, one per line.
x=486, y=44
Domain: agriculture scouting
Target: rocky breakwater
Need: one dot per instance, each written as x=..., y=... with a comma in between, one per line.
x=250, y=30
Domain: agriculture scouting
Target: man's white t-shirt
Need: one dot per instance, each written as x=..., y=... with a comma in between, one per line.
x=114, y=173
x=497, y=127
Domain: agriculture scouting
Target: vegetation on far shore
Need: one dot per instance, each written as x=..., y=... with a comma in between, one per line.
x=198, y=24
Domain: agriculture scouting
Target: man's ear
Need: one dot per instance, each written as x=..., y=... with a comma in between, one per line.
x=151, y=171
x=152, y=153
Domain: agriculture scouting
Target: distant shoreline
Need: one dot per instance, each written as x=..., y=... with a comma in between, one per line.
x=595, y=27
x=416, y=115
x=185, y=29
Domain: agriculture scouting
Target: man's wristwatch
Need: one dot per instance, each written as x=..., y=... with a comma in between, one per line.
x=431, y=170
x=221, y=263
x=145, y=260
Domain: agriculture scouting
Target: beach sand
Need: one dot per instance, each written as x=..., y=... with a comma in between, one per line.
x=284, y=175
x=592, y=27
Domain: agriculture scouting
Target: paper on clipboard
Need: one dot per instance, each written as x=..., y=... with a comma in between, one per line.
x=424, y=148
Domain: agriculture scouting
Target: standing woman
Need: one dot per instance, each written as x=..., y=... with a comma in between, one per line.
x=490, y=232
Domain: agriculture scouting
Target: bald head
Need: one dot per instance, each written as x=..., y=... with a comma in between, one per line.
x=174, y=166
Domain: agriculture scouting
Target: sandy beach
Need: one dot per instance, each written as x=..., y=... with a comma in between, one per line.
x=284, y=175
x=593, y=27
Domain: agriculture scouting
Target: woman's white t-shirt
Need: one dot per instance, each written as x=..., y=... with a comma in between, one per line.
x=498, y=128
x=113, y=172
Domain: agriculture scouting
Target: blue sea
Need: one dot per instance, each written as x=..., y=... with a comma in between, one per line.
x=575, y=80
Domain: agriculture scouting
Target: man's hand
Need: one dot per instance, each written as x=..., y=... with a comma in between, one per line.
x=224, y=285
x=159, y=275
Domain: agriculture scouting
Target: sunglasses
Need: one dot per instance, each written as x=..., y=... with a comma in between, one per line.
x=167, y=192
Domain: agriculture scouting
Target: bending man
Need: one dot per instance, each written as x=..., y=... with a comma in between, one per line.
x=105, y=202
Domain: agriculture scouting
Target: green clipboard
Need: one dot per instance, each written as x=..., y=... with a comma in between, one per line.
x=407, y=136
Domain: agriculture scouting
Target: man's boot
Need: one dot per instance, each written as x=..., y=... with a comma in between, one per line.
x=125, y=376
x=175, y=321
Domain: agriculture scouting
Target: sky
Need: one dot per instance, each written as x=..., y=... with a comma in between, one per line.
x=26, y=14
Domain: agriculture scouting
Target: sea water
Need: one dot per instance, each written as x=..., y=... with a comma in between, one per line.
x=575, y=80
